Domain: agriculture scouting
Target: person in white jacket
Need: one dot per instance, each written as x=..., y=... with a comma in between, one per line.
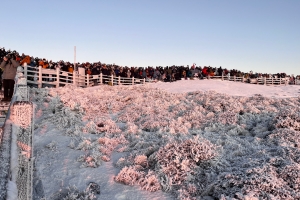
x=9, y=66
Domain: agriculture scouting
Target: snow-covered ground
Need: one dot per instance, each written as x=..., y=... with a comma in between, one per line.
x=230, y=88
x=196, y=139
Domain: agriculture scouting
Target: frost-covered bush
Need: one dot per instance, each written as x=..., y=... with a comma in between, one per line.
x=258, y=152
x=94, y=159
x=52, y=146
x=133, y=175
x=178, y=159
x=129, y=175
x=288, y=118
x=150, y=182
x=72, y=193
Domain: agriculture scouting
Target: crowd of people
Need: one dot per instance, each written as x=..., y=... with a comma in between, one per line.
x=159, y=73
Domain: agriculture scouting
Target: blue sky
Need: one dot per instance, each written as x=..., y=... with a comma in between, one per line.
x=258, y=35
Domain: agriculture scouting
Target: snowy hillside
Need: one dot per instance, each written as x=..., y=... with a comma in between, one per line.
x=201, y=139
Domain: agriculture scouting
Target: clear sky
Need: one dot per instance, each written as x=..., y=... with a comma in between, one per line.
x=258, y=35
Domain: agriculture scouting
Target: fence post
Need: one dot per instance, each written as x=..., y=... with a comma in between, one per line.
x=144, y=81
x=286, y=81
x=101, y=81
x=265, y=80
x=40, y=77
x=112, y=80
x=88, y=80
x=57, y=76
x=74, y=78
x=119, y=80
x=132, y=80
x=272, y=79
x=234, y=78
x=279, y=80
x=222, y=77
x=25, y=70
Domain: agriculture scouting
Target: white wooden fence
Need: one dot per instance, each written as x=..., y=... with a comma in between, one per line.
x=56, y=78
x=260, y=80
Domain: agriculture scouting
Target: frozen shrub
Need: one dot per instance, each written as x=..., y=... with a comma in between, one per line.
x=291, y=174
x=129, y=175
x=91, y=160
x=85, y=144
x=177, y=159
x=141, y=160
x=52, y=146
x=288, y=118
x=150, y=182
x=72, y=144
x=227, y=118
x=286, y=137
x=122, y=162
x=105, y=158
x=75, y=194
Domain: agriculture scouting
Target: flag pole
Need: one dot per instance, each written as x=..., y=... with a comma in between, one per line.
x=75, y=67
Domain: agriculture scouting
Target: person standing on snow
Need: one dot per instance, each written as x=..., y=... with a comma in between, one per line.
x=9, y=66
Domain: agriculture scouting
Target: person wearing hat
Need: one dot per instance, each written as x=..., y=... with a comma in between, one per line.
x=9, y=66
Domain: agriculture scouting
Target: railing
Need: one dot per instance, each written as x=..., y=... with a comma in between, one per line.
x=55, y=78
x=260, y=80
x=16, y=149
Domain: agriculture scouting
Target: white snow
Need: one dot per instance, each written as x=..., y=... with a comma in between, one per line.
x=230, y=88
x=239, y=125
